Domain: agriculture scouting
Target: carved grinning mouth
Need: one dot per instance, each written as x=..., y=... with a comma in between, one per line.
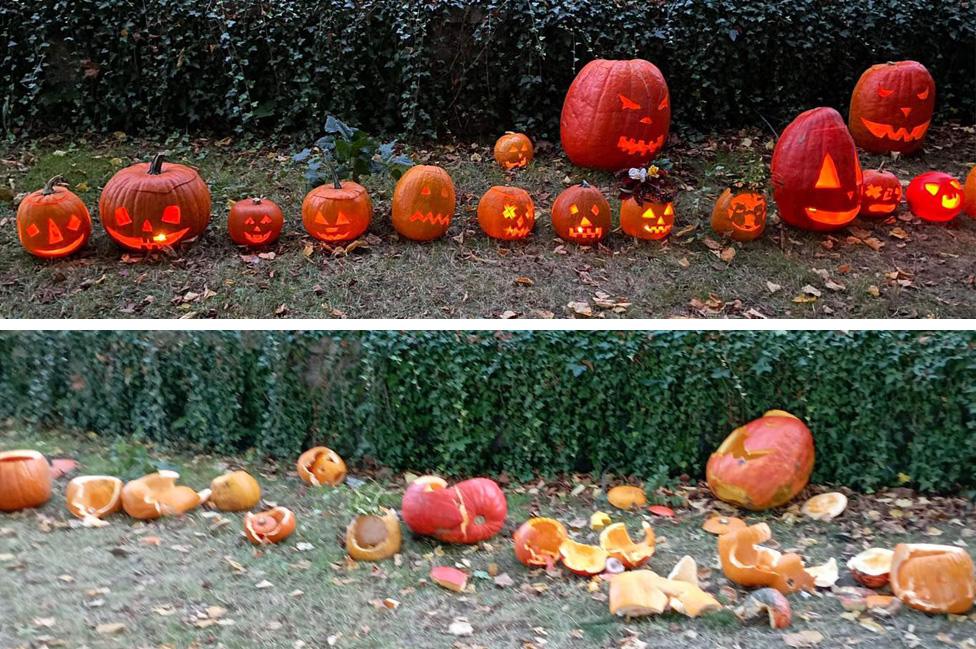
x=950, y=202
x=518, y=162
x=832, y=218
x=150, y=242
x=889, y=132
x=882, y=208
x=257, y=238
x=635, y=146
x=517, y=233
x=430, y=217
x=657, y=229
x=582, y=232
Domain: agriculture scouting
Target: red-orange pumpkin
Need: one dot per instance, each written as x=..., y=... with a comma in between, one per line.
x=53, y=222
x=969, y=194
x=816, y=173
x=506, y=213
x=254, y=222
x=616, y=114
x=763, y=464
x=740, y=216
x=469, y=512
x=880, y=195
x=152, y=205
x=646, y=220
x=537, y=542
x=935, y=196
x=891, y=107
x=423, y=203
x=513, y=150
x=25, y=480
x=337, y=211
x=580, y=214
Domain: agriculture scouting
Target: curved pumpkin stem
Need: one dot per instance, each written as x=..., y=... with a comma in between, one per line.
x=335, y=177
x=257, y=200
x=156, y=166
x=584, y=184
x=49, y=185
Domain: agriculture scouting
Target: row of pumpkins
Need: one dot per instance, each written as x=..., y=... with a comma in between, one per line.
x=761, y=465
x=616, y=115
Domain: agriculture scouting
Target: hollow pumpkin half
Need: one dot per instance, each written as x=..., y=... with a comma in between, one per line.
x=268, y=527
x=617, y=542
x=748, y=563
x=537, y=542
x=872, y=567
x=825, y=507
x=93, y=497
x=933, y=578
x=583, y=559
x=157, y=494
x=321, y=466
x=374, y=538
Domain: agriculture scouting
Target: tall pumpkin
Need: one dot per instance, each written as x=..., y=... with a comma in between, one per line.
x=423, y=203
x=616, y=114
x=816, y=173
x=53, y=222
x=151, y=205
x=891, y=107
x=25, y=480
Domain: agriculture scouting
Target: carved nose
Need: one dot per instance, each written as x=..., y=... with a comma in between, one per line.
x=646, y=120
x=905, y=111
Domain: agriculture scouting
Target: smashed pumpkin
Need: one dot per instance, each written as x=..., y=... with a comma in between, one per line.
x=933, y=578
x=635, y=594
x=374, y=538
x=747, y=563
x=719, y=525
x=25, y=480
x=768, y=603
x=537, y=542
x=583, y=559
x=235, y=492
x=469, y=512
x=268, y=527
x=617, y=543
x=627, y=497
x=872, y=567
x=93, y=497
x=157, y=494
x=826, y=506
x=321, y=466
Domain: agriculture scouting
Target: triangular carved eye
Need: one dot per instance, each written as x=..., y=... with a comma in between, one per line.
x=573, y=209
x=249, y=221
x=924, y=94
x=171, y=214
x=122, y=216
x=648, y=213
x=628, y=104
x=266, y=220
x=828, y=174
x=320, y=219
x=664, y=103
x=342, y=219
x=425, y=191
x=669, y=210
x=74, y=223
x=932, y=188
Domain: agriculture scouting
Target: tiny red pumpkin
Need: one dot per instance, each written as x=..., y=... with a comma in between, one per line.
x=254, y=222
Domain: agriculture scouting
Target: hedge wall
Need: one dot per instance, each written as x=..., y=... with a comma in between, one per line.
x=468, y=66
x=649, y=403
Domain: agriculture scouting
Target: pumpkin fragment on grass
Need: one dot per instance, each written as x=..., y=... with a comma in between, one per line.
x=269, y=527
x=747, y=563
x=537, y=542
x=616, y=541
x=933, y=578
x=449, y=577
x=374, y=538
x=871, y=567
x=769, y=603
x=627, y=497
x=93, y=497
x=157, y=494
x=826, y=506
x=321, y=466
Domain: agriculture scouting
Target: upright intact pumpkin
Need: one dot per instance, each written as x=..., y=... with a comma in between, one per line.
x=880, y=195
x=763, y=464
x=25, y=480
x=969, y=193
x=337, y=211
x=740, y=216
x=616, y=114
x=469, y=512
x=580, y=214
x=423, y=203
x=816, y=173
x=646, y=220
x=53, y=222
x=891, y=107
x=254, y=222
x=151, y=205
x=506, y=213
x=935, y=196
x=513, y=150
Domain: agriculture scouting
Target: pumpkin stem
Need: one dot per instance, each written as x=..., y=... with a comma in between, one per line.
x=584, y=184
x=49, y=185
x=156, y=166
x=256, y=200
x=335, y=177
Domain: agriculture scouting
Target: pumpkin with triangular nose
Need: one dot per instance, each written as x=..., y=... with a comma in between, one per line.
x=53, y=222
x=337, y=211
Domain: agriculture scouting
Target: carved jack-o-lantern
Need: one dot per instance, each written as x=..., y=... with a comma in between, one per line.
x=506, y=213
x=816, y=173
x=934, y=196
x=581, y=214
x=891, y=107
x=423, y=203
x=254, y=222
x=646, y=220
x=880, y=195
x=152, y=205
x=616, y=114
x=53, y=222
x=337, y=211
x=513, y=150
x=740, y=216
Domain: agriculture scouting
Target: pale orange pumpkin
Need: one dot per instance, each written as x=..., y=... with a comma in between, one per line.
x=616, y=541
x=374, y=538
x=94, y=496
x=235, y=492
x=583, y=559
x=321, y=466
x=747, y=563
x=25, y=480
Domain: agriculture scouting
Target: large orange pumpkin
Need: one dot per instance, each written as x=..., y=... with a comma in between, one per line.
x=53, y=222
x=969, y=194
x=616, y=114
x=933, y=578
x=740, y=216
x=816, y=173
x=151, y=205
x=469, y=512
x=537, y=541
x=513, y=151
x=337, y=211
x=506, y=213
x=880, y=195
x=580, y=214
x=423, y=203
x=254, y=222
x=25, y=480
x=763, y=464
x=891, y=107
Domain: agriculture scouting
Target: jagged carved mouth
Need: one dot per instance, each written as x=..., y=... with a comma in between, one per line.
x=517, y=233
x=636, y=146
x=430, y=217
x=657, y=229
x=901, y=134
x=257, y=238
x=829, y=217
x=585, y=233
x=518, y=162
x=150, y=241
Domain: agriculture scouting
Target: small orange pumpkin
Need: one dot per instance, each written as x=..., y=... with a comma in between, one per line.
x=321, y=466
x=53, y=222
x=254, y=222
x=506, y=213
x=272, y=526
x=581, y=214
x=880, y=194
x=746, y=562
x=340, y=211
x=537, y=541
x=933, y=578
x=651, y=221
x=741, y=215
x=423, y=203
x=374, y=538
x=25, y=480
x=235, y=492
x=94, y=496
x=513, y=151
x=627, y=497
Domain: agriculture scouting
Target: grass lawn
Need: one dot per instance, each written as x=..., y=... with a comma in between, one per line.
x=897, y=268
x=194, y=581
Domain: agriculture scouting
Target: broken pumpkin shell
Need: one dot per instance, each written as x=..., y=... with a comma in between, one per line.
x=635, y=594
x=583, y=559
x=157, y=494
x=537, y=541
x=470, y=511
x=321, y=466
x=616, y=541
x=449, y=577
x=747, y=563
x=268, y=527
x=374, y=538
x=872, y=567
x=627, y=497
x=599, y=520
x=933, y=578
x=825, y=507
x=825, y=575
x=235, y=492
x=94, y=496
x=685, y=570
x=770, y=602
x=719, y=525
x=686, y=598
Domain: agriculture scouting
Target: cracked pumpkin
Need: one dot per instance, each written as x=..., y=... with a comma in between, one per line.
x=470, y=511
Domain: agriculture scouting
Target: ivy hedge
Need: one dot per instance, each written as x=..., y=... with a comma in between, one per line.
x=882, y=405
x=462, y=66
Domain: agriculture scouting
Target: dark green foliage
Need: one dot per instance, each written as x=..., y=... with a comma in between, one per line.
x=424, y=66
x=348, y=152
x=462, y=403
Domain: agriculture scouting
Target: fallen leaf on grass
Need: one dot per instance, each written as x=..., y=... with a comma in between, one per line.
x=808, y=638
x=581, y=309
x=727, y=254
x=773, y=288
x=113, y=628
x=262, y=585
x=460, y=628
x=504, y=581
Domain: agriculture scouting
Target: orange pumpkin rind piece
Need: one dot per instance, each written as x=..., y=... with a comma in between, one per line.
x=686, y=570
x=686, y=598
x=449, y=577
x=826, y=506
x=25, y=480
x=157, y=494
x=871, y=567
x=537, y=542
x=374, y=538
x=269, y=527
x=824, y=575
x=636, y=594
x=93, y=497
x=583, y=559
x=234, y=492
x=616, y=541
x=321, y=466
x=933, y=578
x=747, y=563
x=769, y=602
x=627, y=497
x=719, y=525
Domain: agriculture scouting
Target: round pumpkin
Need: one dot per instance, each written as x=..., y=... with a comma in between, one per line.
x=616, y=114
x=513, y=151
x=337, y=211
x=25, y=480
x=94, y=496
x=423, y=203
x=506, y=213
x=933, y=578
x=891, y=107
x=646, y=220
x=235, y=492
x=816, y=173
x=880, y=195
x=969, y=194
x=152, y=205
x=254, y=222
x=580, y=214
x=763, y=464
x=935, y=197
x=321, y=466
x=469, y=512
x=53, y=222
x=740, y=216
x=537, y=542
x=272, y=526
x=374, y=538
